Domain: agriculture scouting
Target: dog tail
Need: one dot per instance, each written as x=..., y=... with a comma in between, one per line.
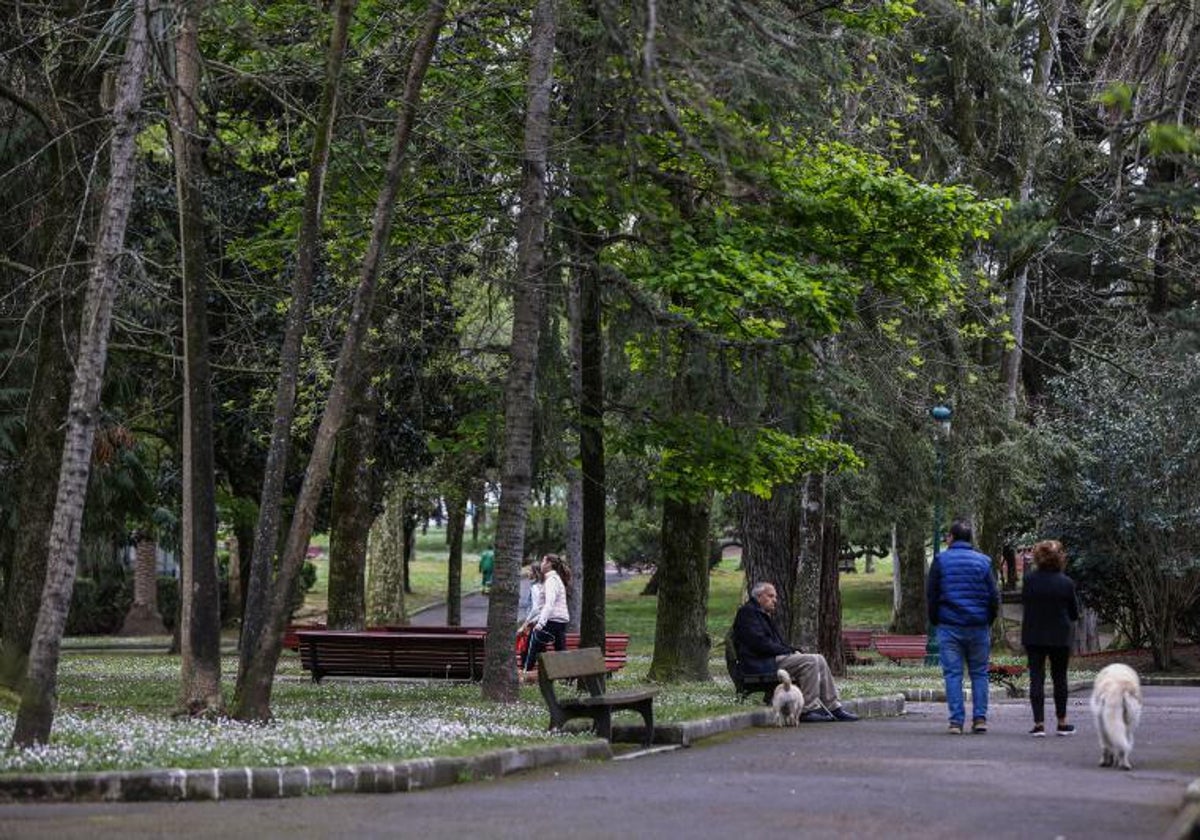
x=1114, y=718
x=1131, y=708
x=784, y=677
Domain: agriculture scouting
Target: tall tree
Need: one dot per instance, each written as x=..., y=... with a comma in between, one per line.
x=35, y=716
x=256, y=678
x=47, y=243
x=499, y=676
x=200, y=625
x=266, y=531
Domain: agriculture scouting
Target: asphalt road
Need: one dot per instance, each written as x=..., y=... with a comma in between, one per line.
x=894, y=777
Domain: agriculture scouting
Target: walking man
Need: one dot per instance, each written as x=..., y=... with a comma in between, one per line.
x=963, y=601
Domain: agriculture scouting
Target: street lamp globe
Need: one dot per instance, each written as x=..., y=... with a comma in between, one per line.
x=941, y=415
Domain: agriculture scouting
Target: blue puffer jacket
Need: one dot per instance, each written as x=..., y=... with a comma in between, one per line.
x=961, y=590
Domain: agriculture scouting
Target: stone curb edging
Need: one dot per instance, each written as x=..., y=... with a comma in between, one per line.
x=382, y=777
x=279, y=782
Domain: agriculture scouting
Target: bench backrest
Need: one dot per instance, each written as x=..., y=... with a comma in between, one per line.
x=569, y=664
x=436, y=655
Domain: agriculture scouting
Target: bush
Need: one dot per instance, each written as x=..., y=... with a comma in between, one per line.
x=633, y=543
x=1104, y=587
x=99, y=604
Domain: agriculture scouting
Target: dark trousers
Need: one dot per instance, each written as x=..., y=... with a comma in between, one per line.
x=554, y=633
x=1058, y=656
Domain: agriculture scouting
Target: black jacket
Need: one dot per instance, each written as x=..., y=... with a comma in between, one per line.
x=1049, y=609
x=758, y=640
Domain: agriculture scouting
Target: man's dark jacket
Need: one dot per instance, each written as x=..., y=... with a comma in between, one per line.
x=757, y=638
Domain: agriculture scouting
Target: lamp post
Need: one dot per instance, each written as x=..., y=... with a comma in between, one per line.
x=941, y=415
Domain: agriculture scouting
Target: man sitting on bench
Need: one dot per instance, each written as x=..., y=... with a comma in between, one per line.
x=761, y=649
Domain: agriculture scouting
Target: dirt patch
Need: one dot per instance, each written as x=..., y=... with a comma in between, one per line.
x=1187, y=660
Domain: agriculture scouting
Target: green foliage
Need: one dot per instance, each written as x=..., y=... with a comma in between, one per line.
x=1127, y=476
x=1117, y=96
x=1171, y=139
x=634, y=542
x=695, y=452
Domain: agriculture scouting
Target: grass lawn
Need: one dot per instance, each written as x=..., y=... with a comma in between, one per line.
x=116, y=708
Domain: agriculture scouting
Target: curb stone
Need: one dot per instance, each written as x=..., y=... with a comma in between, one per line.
x=281, y=782
x=381, y=777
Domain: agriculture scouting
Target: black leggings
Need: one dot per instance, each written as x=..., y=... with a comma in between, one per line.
x=554, y=633
x=1059, y=657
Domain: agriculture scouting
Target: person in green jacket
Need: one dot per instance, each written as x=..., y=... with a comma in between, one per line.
x=487, y=562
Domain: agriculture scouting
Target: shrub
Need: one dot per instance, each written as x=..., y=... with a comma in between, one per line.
x=99, y=604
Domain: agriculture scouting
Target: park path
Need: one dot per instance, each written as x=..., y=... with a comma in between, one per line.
x=888, y=777
x=475, y=605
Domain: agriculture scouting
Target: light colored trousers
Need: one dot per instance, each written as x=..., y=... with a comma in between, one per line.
x=810, y=673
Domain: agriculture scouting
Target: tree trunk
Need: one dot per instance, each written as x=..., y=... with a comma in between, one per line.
x=592, y=456
x=456, y=524
x=805, y=626
x=910, y=616
x=896, y=590
x=409, y=545
x=1047, y=48
x=257, y=677
x=36, y=484
x=829, y=624
x=259, y=587
x=1087, y=632
x=35, y=716
x=385, y=561
x=588, y=51
x=770, y=535
x=681, y=640
x=143, y=618
x=200, y=639
x=351, y=514
x=234, y=574
x=74, y=130
x=499, y=675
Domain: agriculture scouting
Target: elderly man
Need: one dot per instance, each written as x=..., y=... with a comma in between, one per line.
x=761, y=649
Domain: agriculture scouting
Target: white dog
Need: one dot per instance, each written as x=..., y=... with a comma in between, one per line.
x=1117, y=708
x=788, y=701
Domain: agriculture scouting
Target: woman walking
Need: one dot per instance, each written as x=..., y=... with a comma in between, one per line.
x=1049, y=611
x=550, y=626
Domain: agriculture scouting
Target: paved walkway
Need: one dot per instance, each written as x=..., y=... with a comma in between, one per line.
x=891, y=777
x=475, y=605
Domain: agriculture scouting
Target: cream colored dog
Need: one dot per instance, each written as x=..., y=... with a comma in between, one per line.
x=1117, y=708
x=787, y=701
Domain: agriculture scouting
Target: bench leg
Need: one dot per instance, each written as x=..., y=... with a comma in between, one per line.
x=602, y=719
x=647, y=710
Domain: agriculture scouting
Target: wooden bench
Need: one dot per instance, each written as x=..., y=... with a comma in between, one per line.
x=855, y=642
x=899, y=648
x=445, y=656
x=586, y=666
x=291, y=636
x=1007, y=676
